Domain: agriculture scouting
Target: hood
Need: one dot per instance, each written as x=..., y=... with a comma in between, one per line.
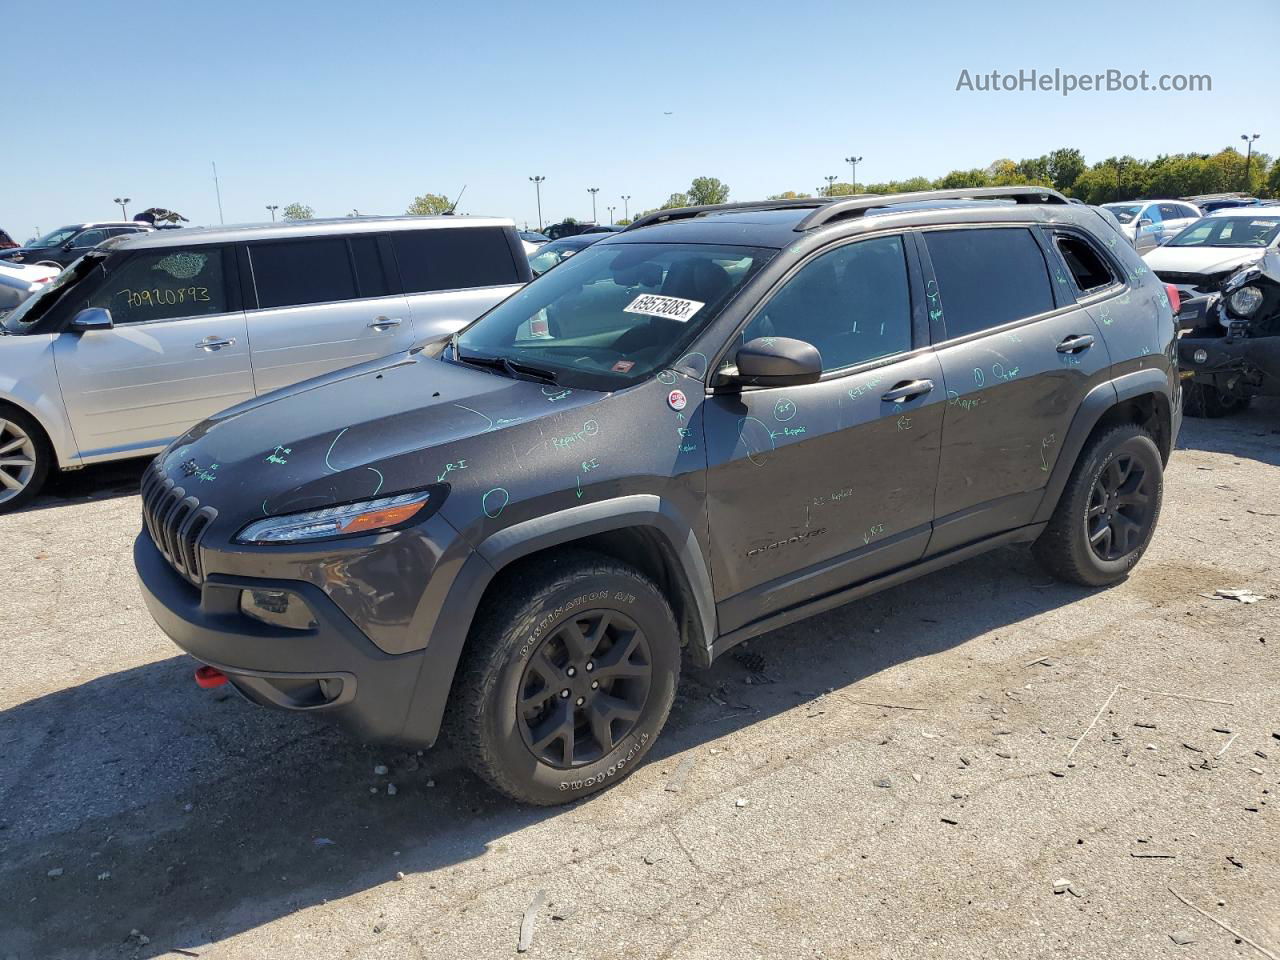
x=353, y=434
x=1206, y=260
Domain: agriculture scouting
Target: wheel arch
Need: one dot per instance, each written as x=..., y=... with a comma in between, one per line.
x=11, y=403
x=641, y=530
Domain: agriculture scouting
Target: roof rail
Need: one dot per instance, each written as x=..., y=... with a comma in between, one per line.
x=858, y=205
x=687, y=213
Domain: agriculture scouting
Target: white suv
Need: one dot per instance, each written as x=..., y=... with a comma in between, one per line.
x=131, y=345
x=1148, y=223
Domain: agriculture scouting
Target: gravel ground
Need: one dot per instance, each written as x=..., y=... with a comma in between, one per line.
x=898, y=782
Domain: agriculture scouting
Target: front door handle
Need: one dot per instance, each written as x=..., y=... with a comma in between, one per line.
x=907, y=390
x=384, y=323
x=213, y=343
x=1076, y=344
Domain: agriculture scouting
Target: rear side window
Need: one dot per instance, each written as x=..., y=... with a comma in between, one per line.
x=166, y=284
x=453, y=259
x=1171, y=211
x=302, y=271
x=1086, y=264
x=988, y=277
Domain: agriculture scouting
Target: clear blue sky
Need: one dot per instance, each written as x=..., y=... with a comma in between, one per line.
x=346, y=105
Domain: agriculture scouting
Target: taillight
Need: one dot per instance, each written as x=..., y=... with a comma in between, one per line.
x=1175, y=300
x=44, y=280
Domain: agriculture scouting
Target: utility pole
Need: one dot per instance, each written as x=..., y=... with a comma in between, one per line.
x=830, y=183
x=124, y=214
x=593, y=191
x=218, y=190
x=273, y=207
x=853, y=170
x=626, y=206
x=1248, y=157
x=537, y=186
x=611, y=209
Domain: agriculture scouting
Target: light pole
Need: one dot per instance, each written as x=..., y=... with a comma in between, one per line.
x=537, y=186
x=593, y=191
x=124, y=214
x=853, y=170
x=830, y=183
x=626, y=206
x=1248, y=156
x=273, y=207
x=611, y=209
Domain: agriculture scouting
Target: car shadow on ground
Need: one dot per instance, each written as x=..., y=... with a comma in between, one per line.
x=1253, y=433
x=192, y=816
x=100, y=481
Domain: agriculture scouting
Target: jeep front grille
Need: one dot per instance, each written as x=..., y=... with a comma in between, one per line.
x=176, y=522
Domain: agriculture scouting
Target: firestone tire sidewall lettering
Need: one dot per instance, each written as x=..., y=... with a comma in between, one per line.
x=611, y=592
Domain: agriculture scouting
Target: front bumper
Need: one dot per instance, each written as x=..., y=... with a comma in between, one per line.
x=332, y=668
x=1257, y=359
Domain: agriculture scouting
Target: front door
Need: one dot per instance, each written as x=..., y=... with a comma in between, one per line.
x=815, y=487
x=323, y=303
x=1017, y=359
x=178, y=352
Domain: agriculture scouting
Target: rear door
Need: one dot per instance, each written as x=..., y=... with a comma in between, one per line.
x=177, y=353
x=452, y=274
x=815, y=487
x=1018, y=355
x=322, y=303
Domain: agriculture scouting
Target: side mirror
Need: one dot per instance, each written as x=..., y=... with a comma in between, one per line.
x=92, y=318
x=777, y=362
x=1144, y=222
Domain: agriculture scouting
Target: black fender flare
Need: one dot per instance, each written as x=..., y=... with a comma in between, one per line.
x=452, y=625
x=1095, y=405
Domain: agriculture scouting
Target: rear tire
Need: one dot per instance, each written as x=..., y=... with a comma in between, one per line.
x=579, y=623
x=25, y=458
x=1206, y=400
x=1108, y=511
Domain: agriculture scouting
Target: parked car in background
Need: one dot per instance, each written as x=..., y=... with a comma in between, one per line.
x=567, y=228
x=19, y=281
x=133, y=344
x=531, y=241
x=1147, y=222
x=604, y=228
x=6, y=242
x=65, y=245
x=743, y=415
x=1200, y=259
x=557, y=251
x=1220, y=201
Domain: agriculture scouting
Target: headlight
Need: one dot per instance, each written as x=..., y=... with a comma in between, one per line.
x=1246, y=300
x=1201, y=356
x=348, y=519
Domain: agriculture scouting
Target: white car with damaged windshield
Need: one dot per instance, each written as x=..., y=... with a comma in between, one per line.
x=130, y=346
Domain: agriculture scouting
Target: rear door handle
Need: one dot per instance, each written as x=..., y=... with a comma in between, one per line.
x=384, y=323
x=1076, y=344
x=907, y=391
x=213, y=343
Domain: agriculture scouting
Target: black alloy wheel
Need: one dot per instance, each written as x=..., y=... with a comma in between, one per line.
x=1120, y=508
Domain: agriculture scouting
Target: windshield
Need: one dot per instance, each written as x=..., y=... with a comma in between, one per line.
x=550, y=254
x=614, y=313
x=37, y=305
x=1124, y=212
x=1228, y=232
x=59, y=236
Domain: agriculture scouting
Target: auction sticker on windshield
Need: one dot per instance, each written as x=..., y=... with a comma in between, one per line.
x=673, y=308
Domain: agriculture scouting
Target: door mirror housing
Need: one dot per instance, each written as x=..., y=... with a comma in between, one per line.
x=776, y=362
x=92, y=318
x=1144, y=222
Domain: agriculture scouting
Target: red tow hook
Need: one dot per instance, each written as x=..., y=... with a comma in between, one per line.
x=209, y=677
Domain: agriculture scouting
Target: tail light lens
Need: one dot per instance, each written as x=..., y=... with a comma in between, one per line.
x=1175, y=299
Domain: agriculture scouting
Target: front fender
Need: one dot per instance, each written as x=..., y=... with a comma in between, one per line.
x=29, y=381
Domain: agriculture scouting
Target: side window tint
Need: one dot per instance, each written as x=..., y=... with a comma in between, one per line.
x=165, y=285
x=1169, y=211
x=90, y=238
x=853, y=304
x=453, y=258
x=1086, y=264
x=370, y=275
x=302, y=271
x=988, y=277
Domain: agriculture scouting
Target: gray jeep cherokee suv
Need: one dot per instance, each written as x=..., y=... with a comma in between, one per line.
x=715, y=423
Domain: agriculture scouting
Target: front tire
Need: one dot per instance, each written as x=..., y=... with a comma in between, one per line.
x=567, y=679
x=25, y=458
x=1108, y=511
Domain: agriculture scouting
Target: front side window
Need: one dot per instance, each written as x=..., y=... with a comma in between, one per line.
x=615, y=313
x=1151, y=213
x=163, y=284
x=853, y=304
x=453, y=258
x=295, y=272
x=988, y=277
x=90, y=238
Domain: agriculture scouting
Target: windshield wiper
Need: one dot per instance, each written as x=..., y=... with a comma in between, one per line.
x=513, y=369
